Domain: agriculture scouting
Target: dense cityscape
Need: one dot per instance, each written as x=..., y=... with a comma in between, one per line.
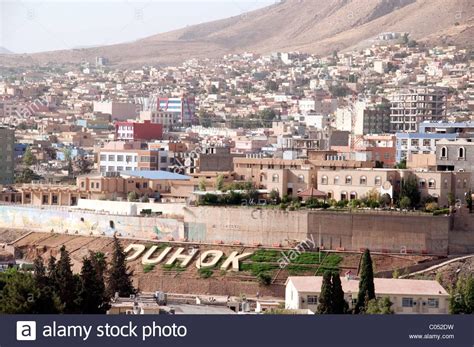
x=253, y=183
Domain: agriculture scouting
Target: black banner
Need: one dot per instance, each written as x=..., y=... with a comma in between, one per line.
x=238, y=330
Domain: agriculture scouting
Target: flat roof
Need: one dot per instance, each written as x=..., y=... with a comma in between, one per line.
x=155, y=175
x=387, y=286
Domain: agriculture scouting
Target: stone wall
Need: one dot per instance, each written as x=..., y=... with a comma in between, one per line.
x=379, y=231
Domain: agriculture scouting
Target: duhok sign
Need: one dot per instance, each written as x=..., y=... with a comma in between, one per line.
x=206, y=259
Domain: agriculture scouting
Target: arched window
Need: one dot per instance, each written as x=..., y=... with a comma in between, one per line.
x=348, y=179
x=378, y=181
x=444, y=153
x=324, y=180
x=336, y=180
x=363, y=181
x=461, y=153
x=343, y=195
x=300, y=179
x=353, y=195
x=422, y=183
x=431, y=183
x=275, y=178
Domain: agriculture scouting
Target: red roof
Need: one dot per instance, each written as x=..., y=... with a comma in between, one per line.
x=312, y=193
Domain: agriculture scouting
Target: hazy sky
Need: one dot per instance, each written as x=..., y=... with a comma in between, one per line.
x=35, y=25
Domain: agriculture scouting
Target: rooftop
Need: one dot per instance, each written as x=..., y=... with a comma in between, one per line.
x=388, y=286
x=155, y=175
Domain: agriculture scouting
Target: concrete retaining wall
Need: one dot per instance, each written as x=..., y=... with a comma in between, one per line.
x=86, y=223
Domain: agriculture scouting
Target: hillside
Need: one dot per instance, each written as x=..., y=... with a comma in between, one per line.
x=313, y=26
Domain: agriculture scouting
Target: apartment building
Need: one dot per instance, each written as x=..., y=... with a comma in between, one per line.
x=409, y=144
x=130, y=156
x=118, y=110
x=411, y=106
x=456, y=155
x=288, y=177
x=363, y=118
x=7, y=149
x=407, y=296
x=136, y=131
x=356, y=184
x=182, y=110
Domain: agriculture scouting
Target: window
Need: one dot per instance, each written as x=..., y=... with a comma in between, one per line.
x=145, y=185
x=407, y=302
x=431, y=183
x=353, y=196
x=426, y=142
x=275, y=178
x=363, y=181
x=343, y=195
x=128, y=158
x=119, y=157
x=103, y=157
x=111, y=157
x=312, y=299
x=414, y=142
x=444, y=153
x=300, y=179
x=422, y=183
x=336, y=180
x=378, y=181
x=55, y=200
x=119, y=168
x=324, y=180
x=461, y=153
x=464, y=183
x=433, y=303
x=445, y=183
x=145, y=159
x=163, y=159
x=103, y=169
x=348, y=179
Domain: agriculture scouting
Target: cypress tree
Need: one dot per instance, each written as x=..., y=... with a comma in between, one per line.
x=52, y=272
x=40, y=272
x=325, y=297
x=120, y=279
x=366, y=283
x=66, y=282
x=91, y=297
x=339, y=304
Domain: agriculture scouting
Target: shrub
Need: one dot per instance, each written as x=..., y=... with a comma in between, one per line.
x=405, y=202
x=274, y=196
x=385, y=200
x=148, y=267
x=441, y=212
x=431, y=206
x=132, y=196
x=355, y=203
x=264, y=278
x=205, y=272
x=210, y=199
